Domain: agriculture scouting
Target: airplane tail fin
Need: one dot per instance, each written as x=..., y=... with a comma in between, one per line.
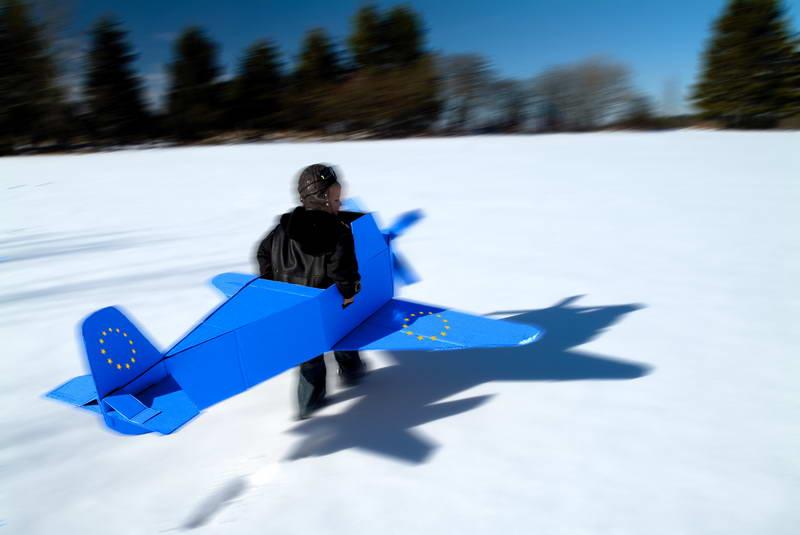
x=129, y=385
x=116, y=349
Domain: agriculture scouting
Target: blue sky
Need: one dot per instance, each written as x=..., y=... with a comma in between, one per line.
x=661, y=41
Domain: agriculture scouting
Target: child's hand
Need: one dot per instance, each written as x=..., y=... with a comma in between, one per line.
x=347, y=302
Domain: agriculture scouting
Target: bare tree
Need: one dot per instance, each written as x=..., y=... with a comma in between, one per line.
x=671, y=97
x=508, y=101
x=465, y=80
x=582, y=96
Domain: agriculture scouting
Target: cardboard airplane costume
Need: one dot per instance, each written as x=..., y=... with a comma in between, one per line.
x=262, y=329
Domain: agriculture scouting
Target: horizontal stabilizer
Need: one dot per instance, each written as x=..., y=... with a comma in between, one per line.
x=402, y=223
x=130, y=407
x=174, y=406
x=78, y=391
x=163, y=408
x=405, y=326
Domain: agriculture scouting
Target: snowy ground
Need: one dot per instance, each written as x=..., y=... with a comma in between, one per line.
x=664, y=399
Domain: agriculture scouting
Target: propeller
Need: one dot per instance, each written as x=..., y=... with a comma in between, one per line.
x=404, y=274
x=403, y=222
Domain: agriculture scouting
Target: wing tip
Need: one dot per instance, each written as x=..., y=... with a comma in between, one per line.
x=531, y=339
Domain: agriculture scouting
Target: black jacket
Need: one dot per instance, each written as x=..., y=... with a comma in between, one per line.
x=312, y=248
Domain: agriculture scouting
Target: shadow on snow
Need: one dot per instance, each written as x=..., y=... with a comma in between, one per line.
x=395, y=399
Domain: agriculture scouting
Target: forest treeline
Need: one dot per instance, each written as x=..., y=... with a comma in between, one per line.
x=382, y=81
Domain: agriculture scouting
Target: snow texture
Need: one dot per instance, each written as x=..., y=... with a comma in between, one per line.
x=663, y=399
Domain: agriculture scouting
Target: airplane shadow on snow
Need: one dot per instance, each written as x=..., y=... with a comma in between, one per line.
x=395, y=399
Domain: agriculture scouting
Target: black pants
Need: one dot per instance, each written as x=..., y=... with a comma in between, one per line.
x=311, y=388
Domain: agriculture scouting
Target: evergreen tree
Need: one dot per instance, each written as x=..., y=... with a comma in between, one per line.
x=113, y=93
x=316, y=76
x=194, y=97
x=391, y=102
x=749, y=77
x=394, y=89
x=367, y=42
x=386, y=41
x=319, y=62
x=30, y=101
x=258, y=88
x=793, y=85
x=403, y=37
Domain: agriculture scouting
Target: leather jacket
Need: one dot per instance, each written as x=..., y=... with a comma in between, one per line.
x=311, y=248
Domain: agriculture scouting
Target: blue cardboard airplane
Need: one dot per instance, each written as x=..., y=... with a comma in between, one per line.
x=262, y=329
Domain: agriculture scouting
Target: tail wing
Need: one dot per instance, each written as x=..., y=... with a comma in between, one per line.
x=78, y=391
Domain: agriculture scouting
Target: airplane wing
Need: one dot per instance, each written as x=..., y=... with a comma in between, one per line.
x=230, y=283
x=404, y=325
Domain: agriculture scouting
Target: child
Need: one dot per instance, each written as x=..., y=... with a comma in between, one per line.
x=312, y=246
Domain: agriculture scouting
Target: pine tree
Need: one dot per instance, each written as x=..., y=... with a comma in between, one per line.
x=319, y=62
x=30, y=101
x=317, y=74
x=194, y=97
x=747, y=80
x=258, y=88
x=391, y=40
x=390, y=102
x=367, y=42
x=793, y=86
x=403, y=37
x=394, y=89
x=113, y=93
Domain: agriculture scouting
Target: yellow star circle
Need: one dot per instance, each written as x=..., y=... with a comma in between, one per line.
x=422, y=337
x=108, y=335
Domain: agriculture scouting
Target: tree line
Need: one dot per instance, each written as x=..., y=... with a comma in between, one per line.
x=383, y=81
x=384, y=84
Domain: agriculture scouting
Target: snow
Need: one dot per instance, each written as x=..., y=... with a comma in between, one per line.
x=663, y=399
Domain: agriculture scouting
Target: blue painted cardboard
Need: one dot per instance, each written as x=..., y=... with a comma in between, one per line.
x=262, y=329
x=116, y=350
x=78, y=391
x=130, y=408
x=230, y=283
